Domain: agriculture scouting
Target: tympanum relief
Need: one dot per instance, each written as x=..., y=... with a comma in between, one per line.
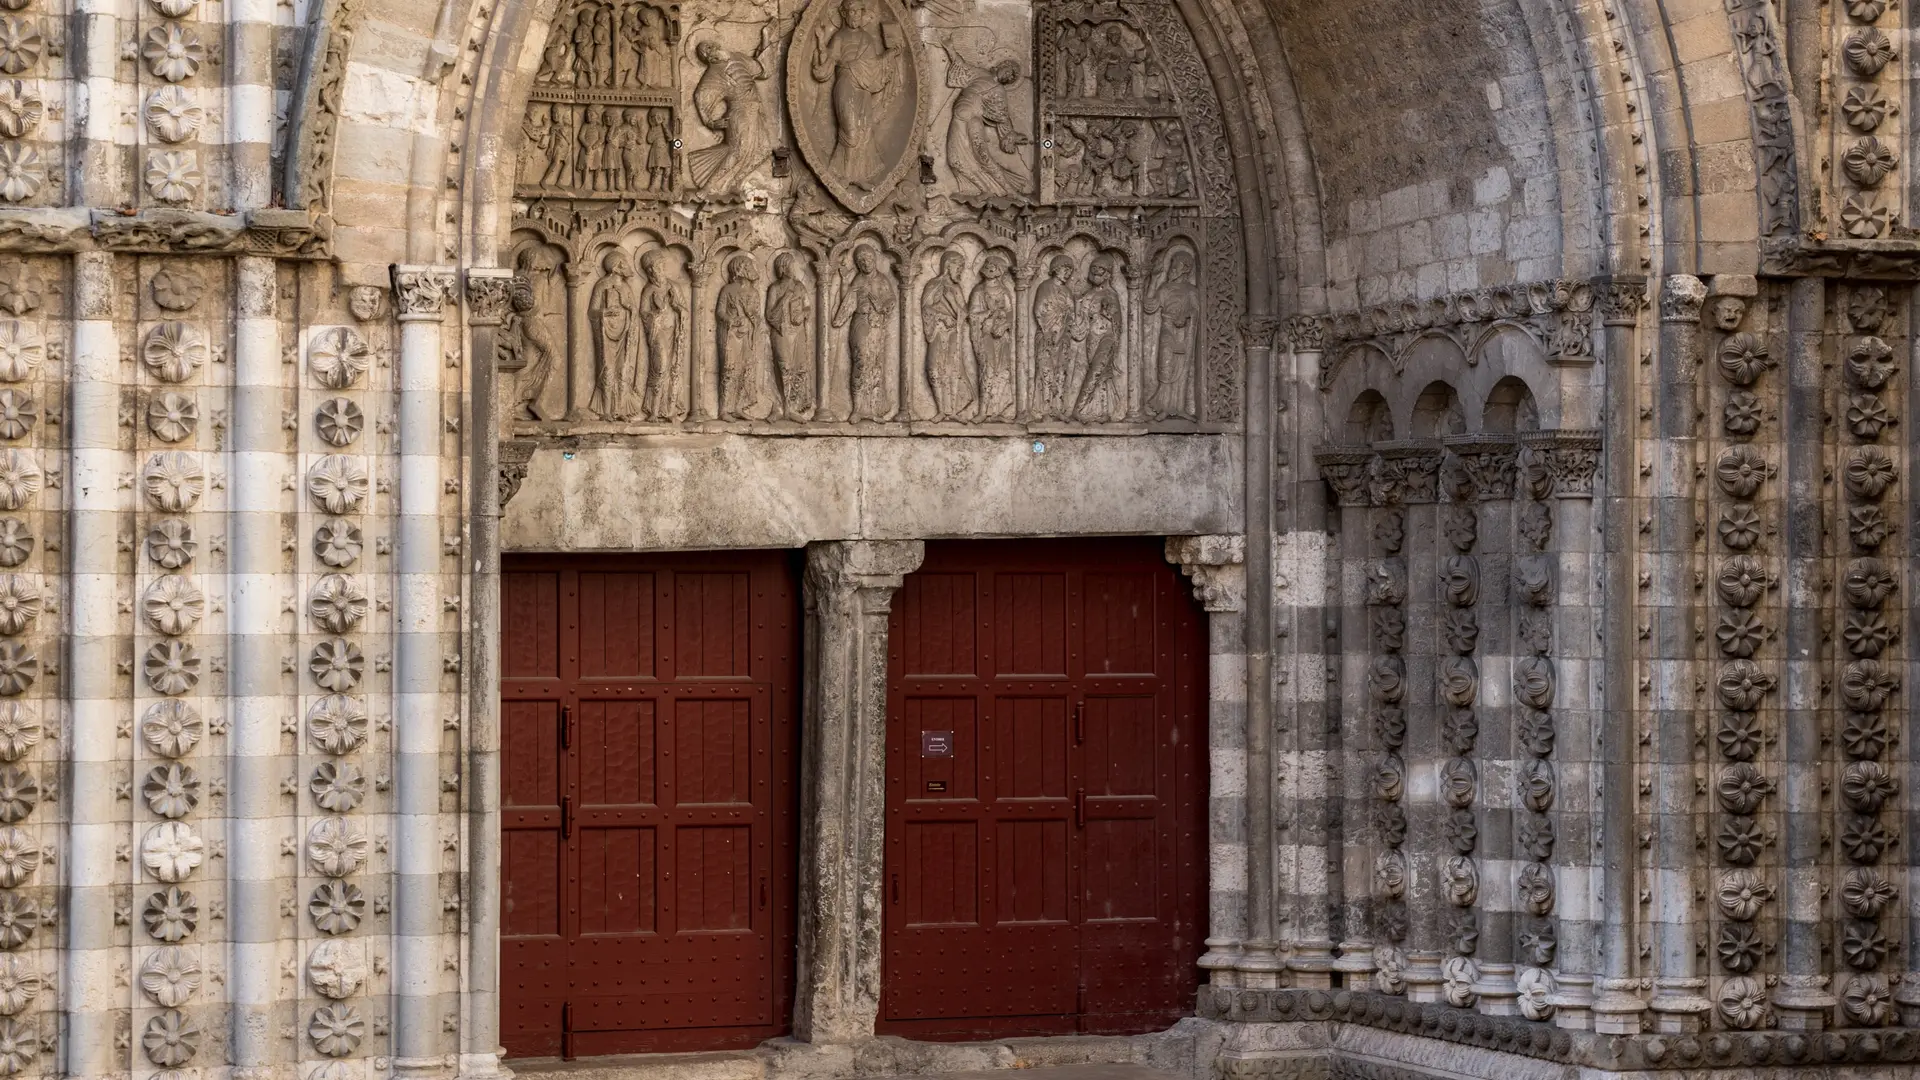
x=954, y=216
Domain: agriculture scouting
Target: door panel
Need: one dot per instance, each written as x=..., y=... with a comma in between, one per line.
x=647, y=718
x=1045, y=799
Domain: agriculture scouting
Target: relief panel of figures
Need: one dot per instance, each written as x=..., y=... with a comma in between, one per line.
x=878, y=216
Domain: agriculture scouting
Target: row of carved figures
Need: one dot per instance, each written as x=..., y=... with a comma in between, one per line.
x=638, y=325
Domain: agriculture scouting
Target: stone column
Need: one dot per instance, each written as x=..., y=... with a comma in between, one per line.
x=257, y=638
x=1260, y=962
x=90, y=997
x=849, y=591
x=1617, y=1009
x=487, y=292
x=1678, y=1004
x=1803, y=997
x=1217, y=565
x=421, y=294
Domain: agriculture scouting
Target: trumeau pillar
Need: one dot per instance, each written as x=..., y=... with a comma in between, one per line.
x=422, y=295
x=1217, y=565
x=849, y=594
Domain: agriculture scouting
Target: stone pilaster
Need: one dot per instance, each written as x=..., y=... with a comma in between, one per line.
x=849, y=591
x=1217, y=566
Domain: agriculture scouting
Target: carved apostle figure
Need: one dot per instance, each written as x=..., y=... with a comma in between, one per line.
x=744, y=393
x=591, y=171
x=863, y=66
x=533, y=336
x=867, y=305
x=626, y=150
x=1100, y=319
x=663, y=317
x=659, y=151
x=727, y=100
x=559, y=161
x=537, y=144
x=982, y=140
x=615, y=343
x=1176, y=299
x=789, y=325
x=1053, y=318
x=990, y=330
x=943, y=309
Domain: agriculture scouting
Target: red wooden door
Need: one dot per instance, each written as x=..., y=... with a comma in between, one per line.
x=1045, y=799
x=647, y=822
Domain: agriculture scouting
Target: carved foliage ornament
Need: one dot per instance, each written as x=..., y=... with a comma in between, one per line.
x=1739, y=736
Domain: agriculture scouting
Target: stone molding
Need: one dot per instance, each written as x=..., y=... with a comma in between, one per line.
x=1556, y=313
x=1564, y=465
x=1541, y=1040
x=1217, y=565
x=848, y=591
x=282, y=233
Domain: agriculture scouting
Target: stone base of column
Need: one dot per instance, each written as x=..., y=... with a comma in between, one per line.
x=1423, y=977
x=1572, y=1002
x=1679, y=1006
x=1802, y=1003
x=1260, y=966
x=1498, y=993
x=1618, y=1008
x=424, y=1068
x=1312, y=965
x=1355, y=965
x=1220, y=960
x=483, y=1067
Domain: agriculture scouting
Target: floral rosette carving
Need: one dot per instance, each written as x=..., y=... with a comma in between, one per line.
x=338, y=604
x=171, y=851
x=170, y=915
x=338, y=484
x=171, y=729
x=336, y=1030
x=1743, y=1003
x=337, y=969
x=1742, y=893
x=1533, y=682
x=174, y=605
x=21, y=349
x=172, y=667
x=20, y=983
x=19, y=730
x=338, y=421
x=173, y=351
x=338, y=357
x=1867, y=1000
x=1869, y=362
x=170, y=976
x=20, y=856
x=1743, y=685
x=172, y=417
x=1459, y=681
x=1457, y=978
x=19, y=667
x=171, y=790
x=336, y=847
x=18, y=413
x=337, y=664
x=337, y=543
x=336, y=907
x=16, y=542
x=338, y=787
x=1865, y=892
x=337, y=724
x=171, y=1039
x=1743, y=358
x=1740, y=471
x=1869, y=473
x=20, y=479
x=174, y=481
x=170, y=543
x=20, y=603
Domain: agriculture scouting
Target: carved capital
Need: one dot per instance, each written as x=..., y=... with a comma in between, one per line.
x=1217, y=565
x=1621, y=300
x=1259, y=331
x=1488, y=461
x=422, y=292
x=1680, y=298
x=1346, y=468
x=1408, y=471
x=487, y=295
x=515, y=458
x=1307, y=333
x=842, y=566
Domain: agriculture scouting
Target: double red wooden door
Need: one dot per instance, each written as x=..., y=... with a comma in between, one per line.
x=647, y=826
x=1045, y=792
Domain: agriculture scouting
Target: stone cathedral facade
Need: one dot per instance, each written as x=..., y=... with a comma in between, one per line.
x=1267, y=540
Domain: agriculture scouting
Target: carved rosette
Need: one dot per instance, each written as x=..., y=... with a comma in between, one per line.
x=1742, y=621
x=1535, y=590
x=1867, y=140
x=1384, y=580
x=1456, y=700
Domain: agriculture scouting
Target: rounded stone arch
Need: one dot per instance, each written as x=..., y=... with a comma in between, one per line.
x=1363, y=368
x=1433, y=357
x=1437, y=411
x=1368, y=419
x=1509, y=408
